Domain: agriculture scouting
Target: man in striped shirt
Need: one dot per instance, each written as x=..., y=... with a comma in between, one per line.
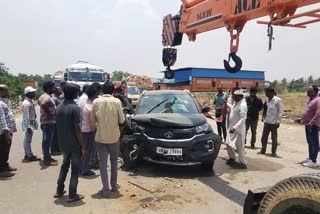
x=48, y=121
x=7, y=128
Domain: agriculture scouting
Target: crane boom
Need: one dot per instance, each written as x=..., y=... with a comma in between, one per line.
x=200, y=16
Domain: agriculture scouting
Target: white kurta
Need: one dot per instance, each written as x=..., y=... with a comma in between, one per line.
x=237, y=121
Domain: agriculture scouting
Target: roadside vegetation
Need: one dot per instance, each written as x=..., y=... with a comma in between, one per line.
x=292, y=92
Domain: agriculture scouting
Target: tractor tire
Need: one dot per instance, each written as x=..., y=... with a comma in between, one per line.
x=295, y=195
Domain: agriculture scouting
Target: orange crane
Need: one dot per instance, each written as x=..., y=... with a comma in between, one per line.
x=199, y=16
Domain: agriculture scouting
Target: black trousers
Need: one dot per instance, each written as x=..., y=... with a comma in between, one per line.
x=267, y=128
x=55, y=145
x=252, y=124
x=73, y=159
x=4, y=153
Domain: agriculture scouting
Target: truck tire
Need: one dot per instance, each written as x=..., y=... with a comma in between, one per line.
x=295, y=195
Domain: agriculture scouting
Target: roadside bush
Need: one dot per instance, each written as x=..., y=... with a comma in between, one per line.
x=15, y=86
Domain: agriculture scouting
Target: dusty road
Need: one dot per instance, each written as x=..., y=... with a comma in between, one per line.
x=154, y=189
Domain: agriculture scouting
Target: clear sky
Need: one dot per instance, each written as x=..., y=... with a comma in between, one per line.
x=43, y=36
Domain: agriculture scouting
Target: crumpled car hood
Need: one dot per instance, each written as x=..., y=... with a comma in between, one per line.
x=171, y=120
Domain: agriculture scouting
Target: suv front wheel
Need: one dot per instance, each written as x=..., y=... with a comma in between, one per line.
x=208, y=166
x=125, y=150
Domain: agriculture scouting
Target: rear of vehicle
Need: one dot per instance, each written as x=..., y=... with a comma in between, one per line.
x=168, y=128
x=133, y=95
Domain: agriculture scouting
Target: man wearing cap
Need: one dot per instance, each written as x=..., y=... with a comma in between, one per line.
x=7, y=128
x=29, y=123
x=237, y=131
x=272, y=121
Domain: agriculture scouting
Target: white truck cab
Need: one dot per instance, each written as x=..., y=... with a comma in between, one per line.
x=82, y=73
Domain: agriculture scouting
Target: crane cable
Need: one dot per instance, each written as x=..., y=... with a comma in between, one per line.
x=270, y=31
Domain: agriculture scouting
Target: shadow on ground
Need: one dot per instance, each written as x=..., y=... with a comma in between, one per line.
x=5, y=179
x=91, y=177
x=116, y=195
x=63, y=202
x=210, y=179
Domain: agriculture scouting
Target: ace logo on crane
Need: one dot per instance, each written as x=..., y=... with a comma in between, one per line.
x=204, y=14
x=246, y=5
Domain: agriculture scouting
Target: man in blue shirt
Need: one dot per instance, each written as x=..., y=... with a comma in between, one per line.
x=219, y=104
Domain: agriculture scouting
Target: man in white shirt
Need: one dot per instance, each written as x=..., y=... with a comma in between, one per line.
x=29, y=123
x=83, y=98
x=272, y=121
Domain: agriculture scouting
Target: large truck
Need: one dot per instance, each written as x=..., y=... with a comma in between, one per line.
x=81, y=73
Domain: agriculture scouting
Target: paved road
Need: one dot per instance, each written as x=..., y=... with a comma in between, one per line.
x=153, y=189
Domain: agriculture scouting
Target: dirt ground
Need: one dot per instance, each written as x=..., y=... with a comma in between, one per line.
x=154, y=188
x=293, y=103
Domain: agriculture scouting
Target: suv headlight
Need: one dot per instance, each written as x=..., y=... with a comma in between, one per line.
x=204, y=128
x=136, y=128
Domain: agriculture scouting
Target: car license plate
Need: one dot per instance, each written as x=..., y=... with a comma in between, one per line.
x=171, y=152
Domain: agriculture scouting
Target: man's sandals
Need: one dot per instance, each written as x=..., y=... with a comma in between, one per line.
x=77, y=197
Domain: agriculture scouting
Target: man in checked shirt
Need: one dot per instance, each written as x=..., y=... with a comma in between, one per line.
x=7, y=128
x=29, y=123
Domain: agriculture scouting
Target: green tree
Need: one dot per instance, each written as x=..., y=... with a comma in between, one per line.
x=37, y=78
x=3, y=69
x=284, y=82
x=310, y=80
x=24, y=77
x=15, y=86
x=118, y=75
x=297, y=85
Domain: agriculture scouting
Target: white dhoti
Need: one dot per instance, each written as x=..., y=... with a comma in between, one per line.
x=236, y=140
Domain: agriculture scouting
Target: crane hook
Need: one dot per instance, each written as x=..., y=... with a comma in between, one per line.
x=237, y=60
x=169, y=74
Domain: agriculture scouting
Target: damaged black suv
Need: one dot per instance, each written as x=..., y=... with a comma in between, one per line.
x=168, y=128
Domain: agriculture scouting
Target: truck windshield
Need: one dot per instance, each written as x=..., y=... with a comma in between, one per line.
x=78, y=75
x=133, y=90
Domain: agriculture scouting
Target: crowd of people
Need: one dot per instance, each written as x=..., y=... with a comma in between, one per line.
x=234, y=117
x=74, y=124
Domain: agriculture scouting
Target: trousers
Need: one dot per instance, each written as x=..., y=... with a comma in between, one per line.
x=267, y=128
x=75, y=160
x=104, y=150
x=312, y=135
x=27, y=144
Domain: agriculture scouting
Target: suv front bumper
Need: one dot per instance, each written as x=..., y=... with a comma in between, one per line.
x=195, y=150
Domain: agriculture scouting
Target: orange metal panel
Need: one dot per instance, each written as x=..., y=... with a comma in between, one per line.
x=202, y=84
